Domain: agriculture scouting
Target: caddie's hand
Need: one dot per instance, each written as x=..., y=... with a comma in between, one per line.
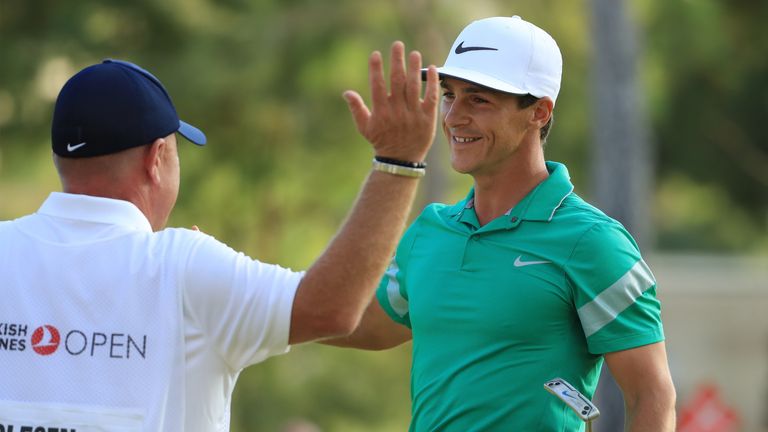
x=400, y=124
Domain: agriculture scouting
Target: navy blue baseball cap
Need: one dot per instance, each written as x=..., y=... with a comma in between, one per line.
x=113, y=106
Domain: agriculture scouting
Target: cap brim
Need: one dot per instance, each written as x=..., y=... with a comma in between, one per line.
x=192, y=133
x=476, y=78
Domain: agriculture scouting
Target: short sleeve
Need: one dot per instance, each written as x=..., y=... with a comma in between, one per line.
x=392, y=292
x=614, y=291
x=242, y=305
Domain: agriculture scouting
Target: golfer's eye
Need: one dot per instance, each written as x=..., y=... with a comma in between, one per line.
x=479, y=100
x=448, y=95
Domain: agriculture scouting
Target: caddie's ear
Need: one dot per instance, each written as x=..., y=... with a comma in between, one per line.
x=153, y=159
x=542, y=111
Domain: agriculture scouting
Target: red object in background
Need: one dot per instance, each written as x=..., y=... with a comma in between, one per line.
x=707, y=413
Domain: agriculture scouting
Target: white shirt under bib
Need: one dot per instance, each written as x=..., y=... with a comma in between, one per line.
x=108, y=326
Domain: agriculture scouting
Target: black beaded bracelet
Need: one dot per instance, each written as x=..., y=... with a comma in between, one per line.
x=400, y=162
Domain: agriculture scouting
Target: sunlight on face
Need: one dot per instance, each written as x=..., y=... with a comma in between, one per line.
x=483, y=127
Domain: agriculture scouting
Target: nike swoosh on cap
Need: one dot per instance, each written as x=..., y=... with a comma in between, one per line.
x=72, y=148
x=520, y=263
x=460, y=48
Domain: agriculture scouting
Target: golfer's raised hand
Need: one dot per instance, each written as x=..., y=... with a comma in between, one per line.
x=399, y=124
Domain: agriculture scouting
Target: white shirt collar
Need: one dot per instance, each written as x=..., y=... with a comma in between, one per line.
x=95, y=209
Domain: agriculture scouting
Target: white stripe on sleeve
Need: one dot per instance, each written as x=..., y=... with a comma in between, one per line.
x=610, y=303
x=398, y=303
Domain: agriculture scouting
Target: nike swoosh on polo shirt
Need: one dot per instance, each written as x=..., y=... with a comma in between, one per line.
x=520, y=263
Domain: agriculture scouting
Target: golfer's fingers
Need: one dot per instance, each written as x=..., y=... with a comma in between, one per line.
x=376, y=80
x=413, y=83
x=360, y=112
x=432, y=92
x=397, y=71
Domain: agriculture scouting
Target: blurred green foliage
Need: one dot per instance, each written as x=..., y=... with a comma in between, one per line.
x=263, y=79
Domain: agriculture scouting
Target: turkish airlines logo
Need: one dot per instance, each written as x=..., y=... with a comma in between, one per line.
x=45, y=340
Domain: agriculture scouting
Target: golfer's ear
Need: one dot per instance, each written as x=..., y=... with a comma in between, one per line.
x=542, y=111
x=153, y=159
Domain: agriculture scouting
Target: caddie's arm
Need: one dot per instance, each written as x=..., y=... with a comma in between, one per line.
x=649, y=395
x=400, y=125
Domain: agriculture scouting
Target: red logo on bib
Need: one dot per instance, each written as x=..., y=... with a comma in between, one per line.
x=45, y=340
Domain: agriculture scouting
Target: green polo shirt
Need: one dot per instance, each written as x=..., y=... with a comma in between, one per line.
x=540, y=292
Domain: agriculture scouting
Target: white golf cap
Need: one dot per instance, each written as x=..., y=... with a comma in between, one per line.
x=506, y=54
